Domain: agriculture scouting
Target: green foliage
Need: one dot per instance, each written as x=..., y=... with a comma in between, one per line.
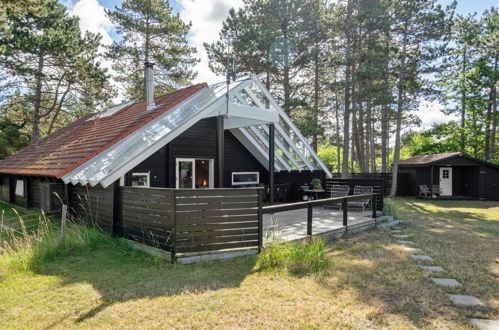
x=299, y=257
x=50, y=70
x=390, y=207
x=11, y=138
x=329, y=156
x=30, y=251
x=150, y=32
x=316, y=183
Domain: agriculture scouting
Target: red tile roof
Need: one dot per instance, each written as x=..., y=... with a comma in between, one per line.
x=73, y=145
x=426, y=159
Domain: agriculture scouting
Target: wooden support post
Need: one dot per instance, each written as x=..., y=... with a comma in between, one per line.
x=310, y=214
x=63, y=222
x=117, y=210
x=271, y=163
x=345, y=212
x=220, y=152
x=431, y=179
x=173, y=204
x=260, y=219
x=374, y=206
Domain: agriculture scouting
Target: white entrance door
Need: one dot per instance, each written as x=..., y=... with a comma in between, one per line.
x=194, y=173
x=446, y=181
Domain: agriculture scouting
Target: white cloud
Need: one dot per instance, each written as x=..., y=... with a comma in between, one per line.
x=93, y=18
x=207, y=18
x=430, y=112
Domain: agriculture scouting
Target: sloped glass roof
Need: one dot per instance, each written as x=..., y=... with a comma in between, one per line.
x=251, y=107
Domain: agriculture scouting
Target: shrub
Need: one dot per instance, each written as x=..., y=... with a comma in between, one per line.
x=299, y=257
x=28, y=251
x=390, y=207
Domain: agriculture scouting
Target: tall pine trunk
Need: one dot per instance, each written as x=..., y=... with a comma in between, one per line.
x=315, y=137
x=463, y=101
x=400, y=106
x=348, y=82
x=493, y=96
x=35, y=119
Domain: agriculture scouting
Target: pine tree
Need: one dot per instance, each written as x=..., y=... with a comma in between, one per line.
x=50, y=68
x=150, y=32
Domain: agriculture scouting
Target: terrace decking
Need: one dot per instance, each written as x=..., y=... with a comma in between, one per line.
x=291, y=225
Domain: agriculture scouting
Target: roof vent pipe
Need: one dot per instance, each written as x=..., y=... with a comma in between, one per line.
x=150, y=86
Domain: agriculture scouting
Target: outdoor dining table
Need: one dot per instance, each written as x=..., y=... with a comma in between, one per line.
x=314, y=192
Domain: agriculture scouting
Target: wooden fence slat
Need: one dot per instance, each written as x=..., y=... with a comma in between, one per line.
x=209, y=233
x=216, y=239
x=215, y=206
x=215, y=226
x=197, y=214
x=214, y=247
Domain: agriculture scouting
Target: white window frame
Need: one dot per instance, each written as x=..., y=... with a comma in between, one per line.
x=246, y=182
x=20, y=188
x=211, y=177
x=147, y=174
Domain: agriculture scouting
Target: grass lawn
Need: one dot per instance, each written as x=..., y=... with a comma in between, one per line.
x=9, y=217
x=372, y=283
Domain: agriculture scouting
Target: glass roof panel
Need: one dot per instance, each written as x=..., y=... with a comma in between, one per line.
x=127, y=149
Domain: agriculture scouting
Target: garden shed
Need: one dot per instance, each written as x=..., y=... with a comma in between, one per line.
x=450, y=176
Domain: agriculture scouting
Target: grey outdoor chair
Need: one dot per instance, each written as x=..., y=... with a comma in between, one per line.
x=424, y=191
x=361, y=190
x=337, y=191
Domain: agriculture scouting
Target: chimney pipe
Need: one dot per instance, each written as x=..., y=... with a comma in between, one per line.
x=150, y=86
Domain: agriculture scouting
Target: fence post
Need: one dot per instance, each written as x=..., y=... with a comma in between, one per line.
x=63, y=221
x=310, y=214
x=374, y=206
x=174, y=227
x=345, y=212
x=260, y=191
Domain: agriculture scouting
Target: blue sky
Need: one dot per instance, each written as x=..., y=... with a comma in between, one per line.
x=207, y=16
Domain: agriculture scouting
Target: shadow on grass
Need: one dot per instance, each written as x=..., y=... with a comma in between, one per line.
x=121, y=275
x=373, y=268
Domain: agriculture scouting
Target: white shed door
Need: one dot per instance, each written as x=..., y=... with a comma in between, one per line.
x=446, y=181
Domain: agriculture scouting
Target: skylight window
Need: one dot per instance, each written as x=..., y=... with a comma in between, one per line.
x=111, y=110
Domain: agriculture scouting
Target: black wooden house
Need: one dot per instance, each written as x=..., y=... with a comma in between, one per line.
x=193, y=138
x=449, y=175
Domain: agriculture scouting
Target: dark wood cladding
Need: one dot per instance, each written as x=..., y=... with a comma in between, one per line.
x=199, y=141
x=470, y=178
x=5, y=188
x=147, y=216
x=93, y=205
x=238, y=159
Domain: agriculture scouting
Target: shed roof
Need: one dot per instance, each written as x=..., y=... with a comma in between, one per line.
x=427, y=159
x=71, y=146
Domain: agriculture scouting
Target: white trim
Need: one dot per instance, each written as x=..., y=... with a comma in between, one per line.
x=146, y=174
x=245, y=183
x=126, y=167
x=193, y=164
x=253, y=148
x=266, y=142
x=211, y=174
x=231, y=123
x=291, y=125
